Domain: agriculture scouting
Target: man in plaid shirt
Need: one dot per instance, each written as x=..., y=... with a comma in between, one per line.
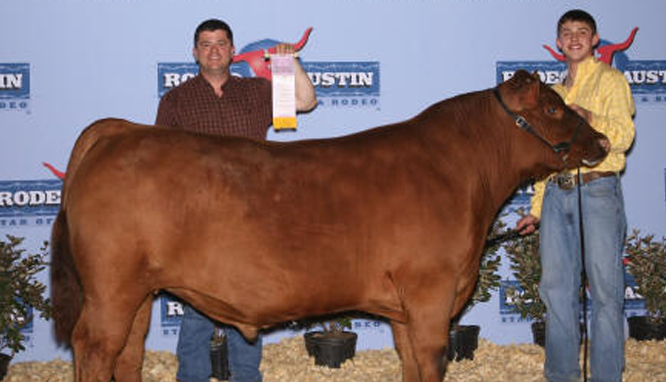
x=215, y=102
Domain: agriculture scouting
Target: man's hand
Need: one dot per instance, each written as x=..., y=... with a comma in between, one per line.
x=527, y=224
x=285, y=48
x=586, y=114
x=306, y=98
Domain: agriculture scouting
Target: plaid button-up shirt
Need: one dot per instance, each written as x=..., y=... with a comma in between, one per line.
x=245, y=108
x=605, y=92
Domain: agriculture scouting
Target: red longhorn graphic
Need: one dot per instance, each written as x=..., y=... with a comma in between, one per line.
x=58, y=174
x=605, y=52
x=258, y=61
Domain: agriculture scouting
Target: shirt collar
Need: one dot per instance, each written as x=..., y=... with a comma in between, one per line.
x=585, y=67
x=203, y=82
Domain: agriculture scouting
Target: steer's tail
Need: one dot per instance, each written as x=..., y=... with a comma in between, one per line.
x=66, y=291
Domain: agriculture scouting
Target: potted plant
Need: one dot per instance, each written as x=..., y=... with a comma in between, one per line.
x=19, y=292
x=464, y=339
x=332, y=345
x=525, y=263
x=645, y=261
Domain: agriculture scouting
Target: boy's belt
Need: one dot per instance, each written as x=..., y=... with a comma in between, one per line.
x=567, y=181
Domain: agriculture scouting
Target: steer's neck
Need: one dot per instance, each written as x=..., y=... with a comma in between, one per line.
x=495, y=156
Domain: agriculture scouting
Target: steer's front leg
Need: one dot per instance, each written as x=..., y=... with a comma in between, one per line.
x=428, y=309
x=410, y=369
x=429, y=344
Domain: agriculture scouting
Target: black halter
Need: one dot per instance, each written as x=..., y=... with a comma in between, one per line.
x=562, y=147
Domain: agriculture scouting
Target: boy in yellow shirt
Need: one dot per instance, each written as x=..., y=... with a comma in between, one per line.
x=602, y=96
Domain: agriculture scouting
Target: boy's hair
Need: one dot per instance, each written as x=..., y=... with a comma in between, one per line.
x=577, y=15
x=213, y=25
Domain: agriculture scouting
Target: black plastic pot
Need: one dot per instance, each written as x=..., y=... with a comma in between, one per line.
x=4, y=365
x=641, y=328
x=463, y=340
x=330, y=349
x=539, y=333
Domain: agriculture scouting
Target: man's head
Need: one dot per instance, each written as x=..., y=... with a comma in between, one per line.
x=211, y=26
x=213, y=46
x=577, y=35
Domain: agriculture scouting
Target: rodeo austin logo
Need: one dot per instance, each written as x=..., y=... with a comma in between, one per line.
x=171, y=312
x=338, y=84
x=647, y=78
x=520, y=200
x=634, y=304
x=29, y=202
x=14, y=86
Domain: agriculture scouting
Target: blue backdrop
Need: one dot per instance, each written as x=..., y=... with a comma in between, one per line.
x=67, y=63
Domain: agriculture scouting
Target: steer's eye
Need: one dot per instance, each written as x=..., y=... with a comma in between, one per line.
x=551, y=110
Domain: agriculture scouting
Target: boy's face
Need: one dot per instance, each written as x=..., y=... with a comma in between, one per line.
x=576, y=41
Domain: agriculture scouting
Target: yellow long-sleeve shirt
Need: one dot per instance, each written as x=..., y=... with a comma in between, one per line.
x=605, y=92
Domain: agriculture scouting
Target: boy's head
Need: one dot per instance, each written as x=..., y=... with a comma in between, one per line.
x=577, y=36
x=577, y=15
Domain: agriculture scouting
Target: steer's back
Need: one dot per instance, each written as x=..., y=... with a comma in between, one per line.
x=301, y=227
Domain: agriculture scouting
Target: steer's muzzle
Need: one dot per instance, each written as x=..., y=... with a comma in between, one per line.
x=596, y=151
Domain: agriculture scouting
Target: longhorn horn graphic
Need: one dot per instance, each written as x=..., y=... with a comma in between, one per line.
x=606, y=52
x=557, y=56
x=297, y=47
x=58, y=174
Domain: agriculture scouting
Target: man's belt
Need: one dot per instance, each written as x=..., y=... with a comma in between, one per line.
x=567, y=181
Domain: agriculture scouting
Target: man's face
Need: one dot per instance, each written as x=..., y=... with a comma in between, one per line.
x=213, y=51
x=576, y=41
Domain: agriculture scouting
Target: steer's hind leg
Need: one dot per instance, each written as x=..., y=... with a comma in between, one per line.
x=403, y=345
x=130, y=362
x=99, y=336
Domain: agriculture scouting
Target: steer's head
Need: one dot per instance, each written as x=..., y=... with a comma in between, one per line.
x=550, y=135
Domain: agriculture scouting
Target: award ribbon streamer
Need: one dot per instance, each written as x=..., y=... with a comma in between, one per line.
x=284, y=92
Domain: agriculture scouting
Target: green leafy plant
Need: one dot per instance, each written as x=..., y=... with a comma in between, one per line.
x=327, y=324
x=525, y=260
x=19, y=291
x=463, y=339
x=336, y=324
x=646, y=262
x=488, y=279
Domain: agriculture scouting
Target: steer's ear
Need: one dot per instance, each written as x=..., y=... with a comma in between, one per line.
x=521, y=92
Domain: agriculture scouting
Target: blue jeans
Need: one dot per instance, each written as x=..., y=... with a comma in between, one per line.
x=604, y=223
x=193, y=351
